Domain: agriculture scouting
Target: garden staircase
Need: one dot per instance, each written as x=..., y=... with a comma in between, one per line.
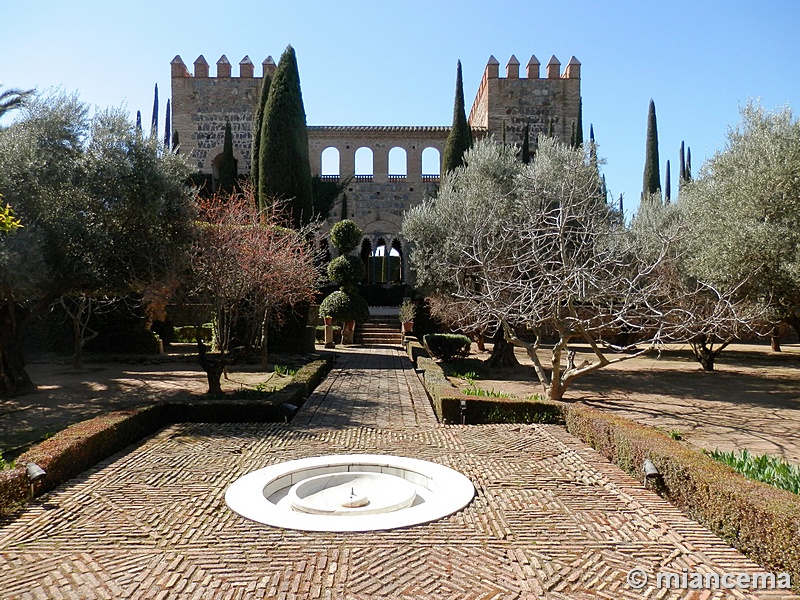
x=379, y=331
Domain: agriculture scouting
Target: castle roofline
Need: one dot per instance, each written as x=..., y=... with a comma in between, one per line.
x=382, y=128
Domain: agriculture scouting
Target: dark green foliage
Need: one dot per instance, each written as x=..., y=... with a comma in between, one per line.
x=652, y=177
x=343, y=306
x=167, y=126
x=344, y=208
x=550, y=127
x=154, y=118
x=348, y=270
x=227, y=166
x=526, y=150
x=175, y=141
x=667, y=184
x=688, y=164
x=579, y=126
x=284, y=169
x=460, y=137
x=258, y=124
x=345, y=236
x=682, y=174
x=139, y=121
x=447, y=346
x=325, y=193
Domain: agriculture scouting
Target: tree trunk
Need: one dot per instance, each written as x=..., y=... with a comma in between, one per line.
x=264, y=332
x=214, y=367
x=502, y=354
x=13, y=376
x=704, y=353
x=775, y=339
x=793, y=319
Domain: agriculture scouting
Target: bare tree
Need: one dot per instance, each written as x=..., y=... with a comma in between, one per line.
x=536, y=249
x=247, y=266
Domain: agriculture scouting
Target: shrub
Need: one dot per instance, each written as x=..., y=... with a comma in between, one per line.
x=344, y=307
x=347, y=270
x=447, y=346
x=188, y=333
x=345, y=236
x=407, y=312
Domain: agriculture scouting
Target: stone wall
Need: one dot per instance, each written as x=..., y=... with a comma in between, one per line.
x=376, y=201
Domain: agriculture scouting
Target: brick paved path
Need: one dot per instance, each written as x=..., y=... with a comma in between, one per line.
x=551, y=519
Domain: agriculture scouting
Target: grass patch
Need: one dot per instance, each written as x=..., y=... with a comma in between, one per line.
x=481, y=393
x=768, y=469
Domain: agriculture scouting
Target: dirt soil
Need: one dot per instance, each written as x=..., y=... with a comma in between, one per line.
x=65, y=396
x=751, y=401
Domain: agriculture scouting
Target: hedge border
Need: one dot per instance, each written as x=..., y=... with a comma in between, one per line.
x=84, y=444
x=759, y=520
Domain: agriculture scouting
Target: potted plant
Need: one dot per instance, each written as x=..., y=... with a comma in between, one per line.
x=407, y=313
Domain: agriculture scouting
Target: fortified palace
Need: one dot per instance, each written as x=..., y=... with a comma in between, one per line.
x=202, y=105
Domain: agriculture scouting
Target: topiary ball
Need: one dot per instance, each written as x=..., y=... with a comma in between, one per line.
x=345, y=236
x=345, y=307
x=346, y=270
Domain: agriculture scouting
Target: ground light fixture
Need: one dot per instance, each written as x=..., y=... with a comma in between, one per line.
x=650, y=470
x=34, y=473
x=288, y=411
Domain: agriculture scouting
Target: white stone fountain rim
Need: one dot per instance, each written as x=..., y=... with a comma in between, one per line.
x=443, y=491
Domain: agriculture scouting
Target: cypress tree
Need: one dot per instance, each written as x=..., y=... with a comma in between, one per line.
x=175, y=141
x=652, y=177
x=167, y=126
x=579, y=126
x=139, y=121
x=460, y=137
x=682, y=175
x=526, y=151
x=688, y=164
x=344, y=208
x=227, y=166
x=154, y=118
x=550, y=127
x=258, y=124
x=284, y=169
x=572, y=140
x=667, y=185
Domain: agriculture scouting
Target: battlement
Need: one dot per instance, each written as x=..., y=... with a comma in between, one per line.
x=506, y=106
x=201, y=68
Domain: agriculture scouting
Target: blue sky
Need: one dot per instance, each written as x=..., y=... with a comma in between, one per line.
x=387, y=62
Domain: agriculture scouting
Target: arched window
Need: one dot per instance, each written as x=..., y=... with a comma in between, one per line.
x=385, y=263
x=398, y=164
x=431, y=162
x=330, y=162
x=364, y=166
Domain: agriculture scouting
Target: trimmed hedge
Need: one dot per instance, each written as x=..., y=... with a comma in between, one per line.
x=447, y=346
x=81, y=446
x=759, y=520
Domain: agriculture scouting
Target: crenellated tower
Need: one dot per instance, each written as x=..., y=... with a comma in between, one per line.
x=201, y=105
x=515, y=101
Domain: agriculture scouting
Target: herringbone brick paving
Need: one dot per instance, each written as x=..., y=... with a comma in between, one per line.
x=551, y=519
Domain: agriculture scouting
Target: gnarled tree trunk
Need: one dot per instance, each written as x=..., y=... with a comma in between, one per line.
x=13, y=376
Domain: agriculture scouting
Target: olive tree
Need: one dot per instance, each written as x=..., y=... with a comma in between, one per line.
x=743, y=211
x=536, y=250
x=104, y=212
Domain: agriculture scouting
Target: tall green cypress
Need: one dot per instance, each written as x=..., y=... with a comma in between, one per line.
x=688, y=164
x=667, y=184
x=139, y=121
x=579, y=126
x=652, y=177
x=258, y=124
x=526, y=148
x=344, y=208
x=227, y=166
x=154, y=118
x=284, y=169
x=167, y=126
x=460, y=137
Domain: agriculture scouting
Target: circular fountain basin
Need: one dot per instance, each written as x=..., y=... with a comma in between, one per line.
x=352, y=492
